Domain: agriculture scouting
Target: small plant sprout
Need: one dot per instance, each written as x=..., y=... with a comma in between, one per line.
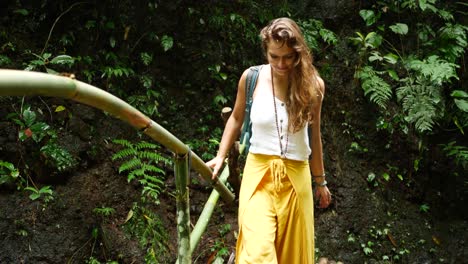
x=104, y=211
x=45, y=192
x=424, y=208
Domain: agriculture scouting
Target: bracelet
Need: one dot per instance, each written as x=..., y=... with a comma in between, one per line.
x=319, y=176
x=322, y=184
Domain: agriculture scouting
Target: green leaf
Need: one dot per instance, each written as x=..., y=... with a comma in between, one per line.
x=112, y=42
x=95, y=233
x=14, y=173
x=375, y=56
x=459, y=94
x=35, y=193
x=60, y=108
x=462, y=131
x=399, y=28
x=371, y=177
x=146, y=58
x=110, y=25
x=393, y=75
x=423, y=4
x=167, y=42
x=50, y=71
x=386, y=176
x=62, y=59
x=391, y=58
x=368, y=16
x=328, y=36
x=46, y=56
x=4, y=179
x=462, y=104
x=37, y=62
x=90, y=24
x=424, y=208
x=23, y=12
x=373, y=40
x=446, y=15
x=220, y=100
x=39, y=127
x=367, y=250
x=46, y=190
x=29, y=117
x=7, y=165
x=34, y=196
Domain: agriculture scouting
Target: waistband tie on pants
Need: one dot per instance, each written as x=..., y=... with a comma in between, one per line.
x=278, y=172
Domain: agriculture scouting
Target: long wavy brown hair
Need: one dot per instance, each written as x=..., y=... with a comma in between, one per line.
x=303, y=83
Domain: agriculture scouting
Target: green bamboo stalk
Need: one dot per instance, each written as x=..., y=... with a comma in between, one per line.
x=205, y=216
x=183, y=208
x=207, y=212
x=21, y=83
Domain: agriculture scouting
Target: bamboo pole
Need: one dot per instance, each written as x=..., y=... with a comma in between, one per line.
x=210, y=205
x=21, y=83
x=205, y=215
x=183, y=208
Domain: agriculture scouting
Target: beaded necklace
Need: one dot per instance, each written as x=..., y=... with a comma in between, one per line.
x=283, y=153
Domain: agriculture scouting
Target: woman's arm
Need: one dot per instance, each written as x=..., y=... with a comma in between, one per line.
x=232, y=128
x=316, y=162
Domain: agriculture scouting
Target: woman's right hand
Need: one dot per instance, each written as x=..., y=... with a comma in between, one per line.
x=216, y=164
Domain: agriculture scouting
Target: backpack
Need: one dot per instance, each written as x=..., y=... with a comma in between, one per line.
x=246, y=131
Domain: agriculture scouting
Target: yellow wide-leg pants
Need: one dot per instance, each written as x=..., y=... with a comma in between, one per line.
x=276, y=218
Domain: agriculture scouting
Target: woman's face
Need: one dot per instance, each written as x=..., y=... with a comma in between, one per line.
x=281, y=57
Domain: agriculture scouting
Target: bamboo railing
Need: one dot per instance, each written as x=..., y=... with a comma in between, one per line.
x=25, y=83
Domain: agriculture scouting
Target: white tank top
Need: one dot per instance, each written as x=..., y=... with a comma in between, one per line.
x=264, y=138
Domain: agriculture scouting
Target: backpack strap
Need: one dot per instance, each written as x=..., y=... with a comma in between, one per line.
x=250, y=83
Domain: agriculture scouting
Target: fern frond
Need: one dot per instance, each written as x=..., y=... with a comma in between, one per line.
x=150, y=155
x=141, y=162
x=459, y=153
x=151, y=192
x=124, y=153
x=133, y=174
x=378, y=90
x=145, y=145
x=422, y=115
x=421, y=102
x=123, y=142
x=153, y=179
x=152, y=168
x=150, y=189
x=437, y=70
x=453, y=41
x=130, y=164
x=153, y=156
x=152, y=183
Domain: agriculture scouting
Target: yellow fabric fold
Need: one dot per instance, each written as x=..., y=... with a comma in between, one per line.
x=270, y=176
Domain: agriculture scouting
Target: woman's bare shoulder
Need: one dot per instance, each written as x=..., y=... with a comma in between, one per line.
x=320, y=84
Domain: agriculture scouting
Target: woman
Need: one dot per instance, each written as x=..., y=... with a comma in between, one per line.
x=276, y=221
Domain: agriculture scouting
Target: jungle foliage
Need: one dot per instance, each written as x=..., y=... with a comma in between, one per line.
x=181, y=60
x=411, y=61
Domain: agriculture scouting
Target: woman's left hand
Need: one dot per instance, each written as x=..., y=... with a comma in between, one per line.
x=323, y=195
